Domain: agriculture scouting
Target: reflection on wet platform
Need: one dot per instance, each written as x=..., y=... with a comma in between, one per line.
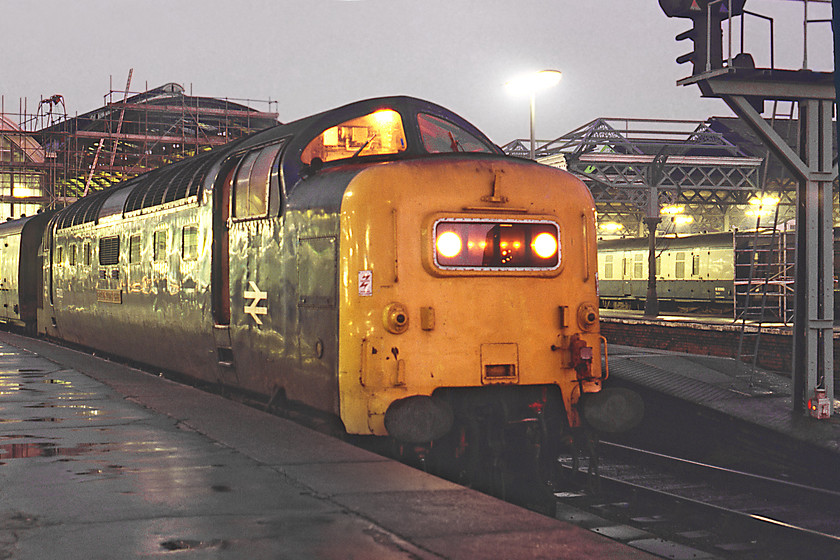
x=121, y=464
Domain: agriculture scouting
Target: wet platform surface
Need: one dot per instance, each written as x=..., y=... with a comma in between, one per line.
x=98, y=460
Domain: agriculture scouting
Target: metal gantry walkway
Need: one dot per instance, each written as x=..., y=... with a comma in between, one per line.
x=632, y=166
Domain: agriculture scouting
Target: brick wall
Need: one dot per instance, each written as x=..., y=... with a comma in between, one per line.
x=702, y=338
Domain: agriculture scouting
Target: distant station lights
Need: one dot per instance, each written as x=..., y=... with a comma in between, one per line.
x=672, y=210
x=763, y=206
x=610, y=228
x=677, y=214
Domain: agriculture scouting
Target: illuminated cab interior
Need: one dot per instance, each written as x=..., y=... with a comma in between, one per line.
x=377, y=133
x=382, y=133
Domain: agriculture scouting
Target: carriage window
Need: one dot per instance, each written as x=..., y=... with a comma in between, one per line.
x=608, y=267
x=109, y=250
x=87, y=253
x=189, y=243
x=72, y=255
x=679, y=266
x=442, y=136
x=378, y=133
x=59, y=256
x=250, y=187
x=695, y=265
x=160, y=246
x=638, y=266
x=134, y=249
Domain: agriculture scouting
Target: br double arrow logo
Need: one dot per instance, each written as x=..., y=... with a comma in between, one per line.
x=253, y=309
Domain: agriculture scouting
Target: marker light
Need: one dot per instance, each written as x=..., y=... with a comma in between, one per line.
x=448, y=244
x=545, y=245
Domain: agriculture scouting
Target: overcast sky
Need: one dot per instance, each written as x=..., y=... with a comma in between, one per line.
x=617, y=56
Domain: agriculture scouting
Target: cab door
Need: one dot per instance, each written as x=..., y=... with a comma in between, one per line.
x=220, y=272
x=248, y=308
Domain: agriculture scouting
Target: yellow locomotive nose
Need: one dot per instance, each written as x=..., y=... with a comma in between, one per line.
x=464, y=273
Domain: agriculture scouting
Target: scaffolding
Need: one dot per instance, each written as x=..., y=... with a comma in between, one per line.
x=764, y=275
x=48, y=160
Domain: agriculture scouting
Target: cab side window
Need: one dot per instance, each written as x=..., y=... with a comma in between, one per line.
x=250, y=186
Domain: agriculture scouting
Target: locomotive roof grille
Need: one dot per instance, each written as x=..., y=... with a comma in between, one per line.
x=175, y=182
x=168, y=184
x=83, y=211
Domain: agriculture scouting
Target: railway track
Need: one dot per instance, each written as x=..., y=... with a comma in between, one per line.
x=724, y=513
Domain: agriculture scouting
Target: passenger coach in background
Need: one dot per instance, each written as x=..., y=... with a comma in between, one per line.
x=706, y=272
x=695, y=269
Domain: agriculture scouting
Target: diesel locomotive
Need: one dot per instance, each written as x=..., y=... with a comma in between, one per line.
x=382, y=262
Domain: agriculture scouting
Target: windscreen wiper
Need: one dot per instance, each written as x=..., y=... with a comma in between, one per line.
x=365, y=145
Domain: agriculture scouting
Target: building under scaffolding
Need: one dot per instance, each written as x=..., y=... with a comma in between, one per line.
x=48, y=160
x=21, y=175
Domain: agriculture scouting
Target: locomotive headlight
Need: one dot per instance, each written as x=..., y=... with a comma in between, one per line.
x=488, y=244
x=545, y=245
x=448, y=244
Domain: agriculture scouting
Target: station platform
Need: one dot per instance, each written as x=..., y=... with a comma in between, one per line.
x=744, y=413
x=98, y=460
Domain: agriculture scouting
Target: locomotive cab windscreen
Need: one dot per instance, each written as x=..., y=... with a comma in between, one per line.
x=441, y=136
x=388, y=132
x=378, y=133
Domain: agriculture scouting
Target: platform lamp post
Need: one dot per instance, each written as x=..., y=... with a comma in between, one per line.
x=654, y=175
x=530, y=84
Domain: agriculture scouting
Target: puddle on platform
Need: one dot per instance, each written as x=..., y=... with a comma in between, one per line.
x=33, y=419
x=79, y=409
x=44, y=449
x=191, y=544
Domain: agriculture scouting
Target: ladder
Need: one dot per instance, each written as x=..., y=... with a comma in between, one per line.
x=102, y=140
x=768, y=276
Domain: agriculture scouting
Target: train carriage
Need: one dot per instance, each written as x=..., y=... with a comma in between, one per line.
x=20, y=271
x=692, y=269
x=382, y=262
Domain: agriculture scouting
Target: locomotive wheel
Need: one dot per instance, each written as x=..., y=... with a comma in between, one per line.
x=513, y=460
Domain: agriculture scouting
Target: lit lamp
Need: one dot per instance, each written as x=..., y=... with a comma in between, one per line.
x=762, y=206
x=531, y=84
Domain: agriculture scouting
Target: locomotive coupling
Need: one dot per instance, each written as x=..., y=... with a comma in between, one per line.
x=580, y=355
